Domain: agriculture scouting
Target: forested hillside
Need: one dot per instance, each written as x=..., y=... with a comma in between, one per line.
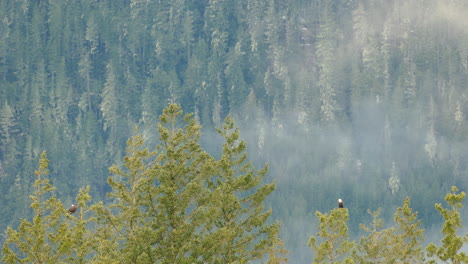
x=364, y=100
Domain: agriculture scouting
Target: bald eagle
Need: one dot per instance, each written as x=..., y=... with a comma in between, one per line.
x=72, y=209
x=340, y=203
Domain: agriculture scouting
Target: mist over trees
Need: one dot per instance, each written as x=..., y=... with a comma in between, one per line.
x=364, y=100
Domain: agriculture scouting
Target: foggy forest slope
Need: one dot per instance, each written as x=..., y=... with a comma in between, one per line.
x=361, y=100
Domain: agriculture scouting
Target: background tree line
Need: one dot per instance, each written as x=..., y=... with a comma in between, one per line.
x=363, y=100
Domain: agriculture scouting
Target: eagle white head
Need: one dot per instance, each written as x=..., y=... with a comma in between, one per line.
x=340, y=201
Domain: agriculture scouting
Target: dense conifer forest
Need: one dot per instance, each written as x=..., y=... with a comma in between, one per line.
x=364, y=100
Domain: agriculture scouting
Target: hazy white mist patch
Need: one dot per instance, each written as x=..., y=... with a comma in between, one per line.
x=454, y=12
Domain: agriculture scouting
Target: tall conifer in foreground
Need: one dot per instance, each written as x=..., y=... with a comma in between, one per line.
x=175, y=205
x=127, y=217
x=45, y=239
x=409, y=234
x=335, y=245
x=451, y=243
x=238, y=229
x=374, y=247
x=81, y=233
x=180, y=205
x=178, y=195
x=396, y=244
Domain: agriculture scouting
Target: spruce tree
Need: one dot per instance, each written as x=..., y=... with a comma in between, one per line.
x=375, y=246
x=409, y=234
x=238, y=228
x=452, y=243
x=179, y=193
x=127, y=216
x=180, y=205
x=335, y=245
x=82, y=236
x=396, y=244
x=45, y=239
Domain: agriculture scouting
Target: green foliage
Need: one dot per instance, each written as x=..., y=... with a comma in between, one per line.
x=53, y=235
x=127, y=216
x=45, y=239
x=451, y=243
x=238, y=231
x=180, y=205
x=376, y=246
x=77, y=76
x=175, y=205
x=335, y=245
x=398, y=244
x=81, y=234
x=179, y=172
x=409, y=234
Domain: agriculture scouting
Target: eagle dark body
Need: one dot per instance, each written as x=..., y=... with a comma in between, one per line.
x=72, y=209
x=340, y=203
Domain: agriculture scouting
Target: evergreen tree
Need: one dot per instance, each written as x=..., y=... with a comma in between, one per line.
x=238, y=229
x=82, y=235
x=236, y=85
x=325, y=49
x=179, y=194
x=408, y=236
x=375, y=246
x=127, y=217
x=109, y=104
x=45, y=239
x=451, y=243
x=185, y=207
x=335, y=246
x=7, y=129
x=397, y=244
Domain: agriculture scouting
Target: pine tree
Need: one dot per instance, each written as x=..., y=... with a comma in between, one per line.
x=7, y=122
x=335, y=246
x=451, y=243
x=46, y=238
x=397, y=244
x=375, y=246
x=179, y=194
x=407, y=246
x=237, y=86
x=82, y=238
x=7, y=130
x=326, y=54
x=110, y=102
x=238, y=229
x=127, y=216
x=184, y=206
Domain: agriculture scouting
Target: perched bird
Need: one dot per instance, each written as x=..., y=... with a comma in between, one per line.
x=340, y=203
x=72, y=209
